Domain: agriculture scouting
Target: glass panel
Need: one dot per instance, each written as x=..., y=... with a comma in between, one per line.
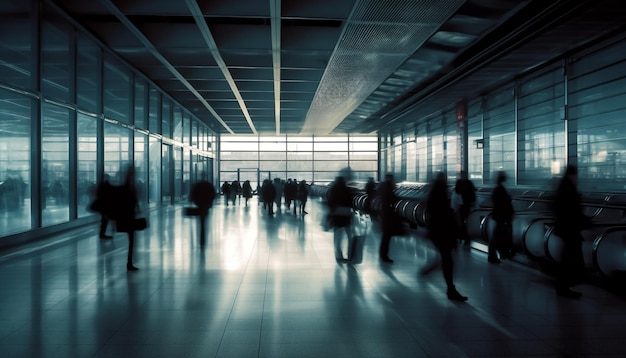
x=239, y=146
x=278, y=166
x=421, y=148
x=55, y=164
x=87, y=55
x=178, y=173
x=166, y=174
x=299, y=156
x=186, y=174
x=272, y=155
x=140, y=105
x=300, y=146
x=116, y=152
x=194, y=133
x=116, y=90
x=166, y=116
x=299, y=165
x=343, y=156
x=453, y=164
x=87, y=161
x=141, y=166
x=474, y=146
x=273, y=146
x=330, y=146
x=55, y=58
x=178, y=124
x=154, y=172
x=15, y=44
x=186, y=128
x=154, y=120
x=15, y=127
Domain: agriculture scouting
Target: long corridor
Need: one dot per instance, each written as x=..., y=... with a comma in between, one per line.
x=270, y=287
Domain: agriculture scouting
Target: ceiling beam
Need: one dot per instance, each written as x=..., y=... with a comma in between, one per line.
x=153, y=50
x=275, y=14
x=198, y=16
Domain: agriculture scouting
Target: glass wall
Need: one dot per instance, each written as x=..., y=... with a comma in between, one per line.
x=54, y=164
x=87, y=106
x=312, y=158
x=16, y=52
x=15, y=170
x=568, y=112
x=87, y=161
x=597, y=89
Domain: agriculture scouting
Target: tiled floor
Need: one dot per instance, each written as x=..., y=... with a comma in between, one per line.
x=270, y=287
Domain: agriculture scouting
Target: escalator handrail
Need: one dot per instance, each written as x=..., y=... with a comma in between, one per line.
x=596, y=244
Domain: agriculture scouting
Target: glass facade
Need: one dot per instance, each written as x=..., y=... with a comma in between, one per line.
x=314, y=159
x=86, y=114
x=567, y=112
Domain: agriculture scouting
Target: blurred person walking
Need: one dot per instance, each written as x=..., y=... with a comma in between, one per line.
x=268, y=193
x=340, y=215
x=226, y=192
x=247, y=191
x=568, y=224
x=441, y=228
x=202, y=195
x=502, y=213
x=466, y=189
x=302, y=196
x=390, y=222
x=126, y=208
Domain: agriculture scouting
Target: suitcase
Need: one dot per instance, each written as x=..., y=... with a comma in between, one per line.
x=355, y=248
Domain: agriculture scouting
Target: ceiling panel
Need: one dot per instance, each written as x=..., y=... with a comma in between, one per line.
x=334, y=65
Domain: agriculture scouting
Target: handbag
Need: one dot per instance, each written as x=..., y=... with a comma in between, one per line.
x=137, y=224
x=140, y=224
x=191, y=211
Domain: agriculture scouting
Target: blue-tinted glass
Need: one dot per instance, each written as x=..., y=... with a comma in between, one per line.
x=55, y=59
x=54, y=164
x=15, y=43
x=116, y=89
x=87, y=161
x=15, y=132
x=88, y=54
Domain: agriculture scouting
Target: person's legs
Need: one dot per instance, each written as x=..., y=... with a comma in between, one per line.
x=131, y=247
x=337, y=235
x=104, y=221
x=570, y=270
x=383, y=251
x=494, y=246
x=448, y=268
x=202, y=229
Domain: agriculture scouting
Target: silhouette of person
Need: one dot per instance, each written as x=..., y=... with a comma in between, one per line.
x=303, y=195
x=502, y=214
x=126, y=208
x=226, y=192
x=102, y=205
x=291, y=190
x=235, y=189
x=202, y=195
x=268, y=192
x=390, y=223
x=340, y=215
x=441, y=227
x=569, y=221
x=466, y=189
x=247, y=190
x=279, y=186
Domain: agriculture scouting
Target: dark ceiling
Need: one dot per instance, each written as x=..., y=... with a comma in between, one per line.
x=333, y=66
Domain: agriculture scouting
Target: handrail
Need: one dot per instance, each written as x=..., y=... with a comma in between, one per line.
x=596, y=245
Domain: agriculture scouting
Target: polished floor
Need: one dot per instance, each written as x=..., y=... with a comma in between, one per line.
x=270, y=287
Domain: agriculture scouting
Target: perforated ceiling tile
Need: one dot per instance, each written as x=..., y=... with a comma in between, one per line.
x=378, y=37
